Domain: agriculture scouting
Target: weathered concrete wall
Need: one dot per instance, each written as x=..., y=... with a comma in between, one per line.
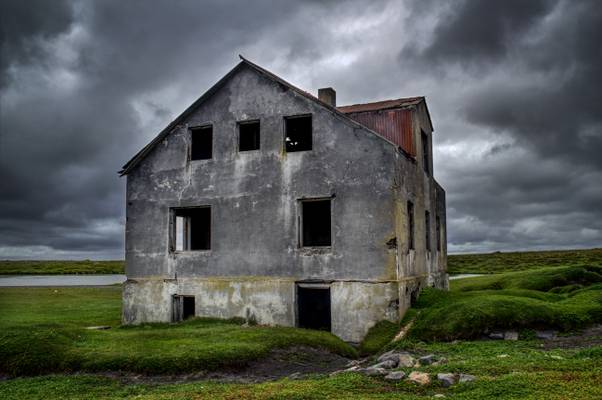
x=254, y=198
x=355, y=306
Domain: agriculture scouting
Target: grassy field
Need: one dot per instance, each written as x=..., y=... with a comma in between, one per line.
x=42, y=331
x=37, y=267
x=493, y=263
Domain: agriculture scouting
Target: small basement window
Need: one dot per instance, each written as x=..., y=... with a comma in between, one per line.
x=298, y=133
x=410, y=211
x=315, y=223
x=248, y=135
x=183, y=308
x=192, y=229
x=201, y=147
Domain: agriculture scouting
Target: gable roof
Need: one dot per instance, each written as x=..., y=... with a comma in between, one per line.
x=244, y=62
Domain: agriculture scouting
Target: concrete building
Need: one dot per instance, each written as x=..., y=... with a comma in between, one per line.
x=264, y=202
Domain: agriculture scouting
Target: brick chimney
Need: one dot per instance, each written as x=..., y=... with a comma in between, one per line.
x=328, y=96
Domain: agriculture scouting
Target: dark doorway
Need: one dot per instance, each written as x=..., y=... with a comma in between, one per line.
x=313, y=305
x=183, y=308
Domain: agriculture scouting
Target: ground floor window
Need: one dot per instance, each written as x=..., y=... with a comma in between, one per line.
x=191, y=229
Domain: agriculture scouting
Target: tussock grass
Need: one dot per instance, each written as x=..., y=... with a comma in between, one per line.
x=516, y=300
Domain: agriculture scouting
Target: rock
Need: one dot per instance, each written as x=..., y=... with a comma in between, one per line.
x=427, y=360
x=503, y=356
x=387, y=364
x=511, y=335
x=447, y=379
x=421, y=378
x=296, y=375
x=406, y=360
x=545, y=334
x=389, y=355
x=375, y=371
x=439, y=395
x=395, y=376
x=496, y=335
x=353, y=363
x=555, y=357
x=466, y=378
x=98, y=328
x=440, y=361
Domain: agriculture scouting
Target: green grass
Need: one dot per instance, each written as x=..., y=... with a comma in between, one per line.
x=497, y=262
x=562, y=298
x=37, y=267
x=42, y=331
x=525, y=372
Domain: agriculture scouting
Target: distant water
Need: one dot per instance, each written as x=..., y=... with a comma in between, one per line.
x=460, y=276
x=61, y=280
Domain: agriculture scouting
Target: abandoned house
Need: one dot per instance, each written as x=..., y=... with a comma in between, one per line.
x=264, y=202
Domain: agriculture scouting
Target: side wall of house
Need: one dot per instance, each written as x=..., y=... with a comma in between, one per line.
x=420, y=266
x=255, y=260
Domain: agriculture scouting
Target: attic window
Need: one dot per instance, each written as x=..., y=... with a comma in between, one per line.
x=248, y=135
x=298, y=132
x=315, y=223
x=201, y=143
x=192, y=229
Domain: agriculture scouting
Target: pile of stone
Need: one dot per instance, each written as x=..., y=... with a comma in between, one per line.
x=513, y=335
x=387, y=362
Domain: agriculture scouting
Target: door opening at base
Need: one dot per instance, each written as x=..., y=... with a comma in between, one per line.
x=313, y=307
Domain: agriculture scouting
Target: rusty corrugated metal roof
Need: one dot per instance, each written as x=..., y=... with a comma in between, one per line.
x=381, y=105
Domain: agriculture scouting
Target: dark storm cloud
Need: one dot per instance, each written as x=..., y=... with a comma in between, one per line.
x=537, y=67
x=512, y=87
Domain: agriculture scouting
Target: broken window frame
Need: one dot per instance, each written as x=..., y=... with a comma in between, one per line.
x=427, y=230
x=257, y=141
x=311, y=132
x=426, y=160
x=197, y=129
x=186, y=240
x=410, y=213
x=301, y=230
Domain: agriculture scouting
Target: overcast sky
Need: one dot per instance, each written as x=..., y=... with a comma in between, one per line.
x=514, y=89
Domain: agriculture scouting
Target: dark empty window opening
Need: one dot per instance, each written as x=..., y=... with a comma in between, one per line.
x=192, y=229
x=427, y=230
x=298, y=132
x=315, y=221
x=410, y=211
x=248, y=135
x=313, y=307
x=183, y=308
x=201, y=143
x=425, y=152
x=438, y=232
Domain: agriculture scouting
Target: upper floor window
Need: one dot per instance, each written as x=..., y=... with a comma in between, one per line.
x=201, y=147
x=297, y=133
x=410, y=211
x=427, y=230
x=248, y=135
x=426, y=162
x=438, y=231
